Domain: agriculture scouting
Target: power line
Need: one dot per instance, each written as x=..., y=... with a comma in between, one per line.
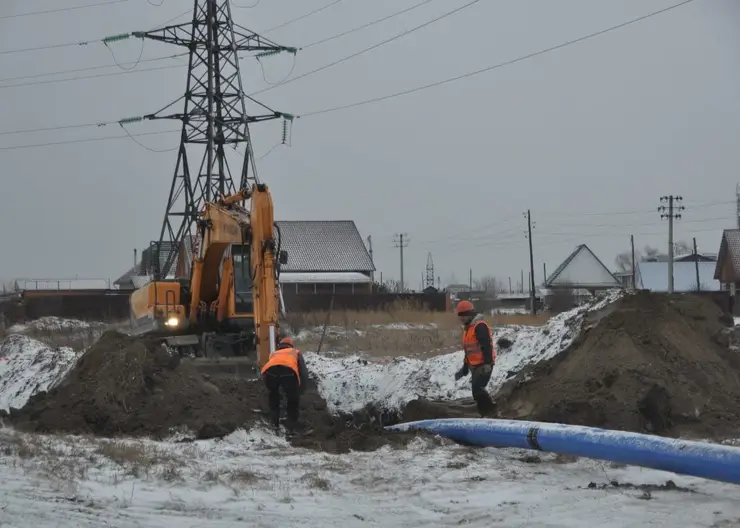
x=61, y=9
x=62, y=127
x=96, y=76
x=301, y=17
x=47, y=47
x=496, y=66
x=365, y=50
x=364, y=26
x=83, y=42
x=513, y=234
x=87, y=140
x=88, y=68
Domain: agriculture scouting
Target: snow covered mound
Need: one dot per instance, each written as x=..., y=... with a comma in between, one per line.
x=54, y=324
x=28, y=366
x=350, y=383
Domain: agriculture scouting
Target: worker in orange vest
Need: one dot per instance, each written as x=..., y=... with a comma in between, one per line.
x=480, y=356
x=285, y=368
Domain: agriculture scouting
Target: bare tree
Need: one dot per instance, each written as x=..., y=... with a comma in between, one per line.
x=650, y=252
x=488, y=283
x=682, y=248
x=624, y=261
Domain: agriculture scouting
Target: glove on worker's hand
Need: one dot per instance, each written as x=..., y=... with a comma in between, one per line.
x=459, y=374
x=487, y=368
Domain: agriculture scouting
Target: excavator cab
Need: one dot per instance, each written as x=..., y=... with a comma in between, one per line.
x=243, y=302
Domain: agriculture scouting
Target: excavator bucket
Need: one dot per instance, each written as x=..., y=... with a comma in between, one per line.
x=242, y=368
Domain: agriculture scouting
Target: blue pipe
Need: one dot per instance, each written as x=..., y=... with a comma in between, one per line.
x=699, y=459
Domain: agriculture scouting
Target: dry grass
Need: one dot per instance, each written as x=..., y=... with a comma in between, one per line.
x=139, y=459
x=397, y=313
x=69, y=459
x=419, y=332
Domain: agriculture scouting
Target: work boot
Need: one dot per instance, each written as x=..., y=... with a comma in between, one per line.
x=275, y=420
x=487, y=408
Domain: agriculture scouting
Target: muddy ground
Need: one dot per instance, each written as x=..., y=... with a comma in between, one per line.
x=648, y=363
x=130, y=386
x=652, y=363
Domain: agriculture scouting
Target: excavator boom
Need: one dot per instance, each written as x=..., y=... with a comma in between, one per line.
x=229, y=307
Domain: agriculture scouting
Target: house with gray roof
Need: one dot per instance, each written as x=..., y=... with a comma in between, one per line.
x=324, y=256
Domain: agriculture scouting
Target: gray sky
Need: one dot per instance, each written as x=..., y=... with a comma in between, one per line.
x=607, y=125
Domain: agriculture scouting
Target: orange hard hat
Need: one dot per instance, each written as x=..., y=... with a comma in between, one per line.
x=464, y=307
x=287, y=341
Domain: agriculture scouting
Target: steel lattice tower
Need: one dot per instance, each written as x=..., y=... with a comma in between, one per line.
x=429, y=282
x=214, y=115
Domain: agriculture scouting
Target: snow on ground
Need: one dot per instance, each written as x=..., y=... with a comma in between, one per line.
x=348, y=383
x=54, y=324
x=28, y=366
x=254, y=479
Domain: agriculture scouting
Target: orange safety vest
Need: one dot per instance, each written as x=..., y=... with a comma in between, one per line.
x=473, y=352
x=287, y=357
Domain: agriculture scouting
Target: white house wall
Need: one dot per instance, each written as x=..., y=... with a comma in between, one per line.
x=585, y=270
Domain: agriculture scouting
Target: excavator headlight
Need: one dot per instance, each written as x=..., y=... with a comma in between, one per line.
x=172, y=321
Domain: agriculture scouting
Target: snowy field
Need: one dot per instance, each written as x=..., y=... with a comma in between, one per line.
x=254, y=478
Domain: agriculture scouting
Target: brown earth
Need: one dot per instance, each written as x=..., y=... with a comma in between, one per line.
x=648, y=363
x=130, y=386
x=654, y=363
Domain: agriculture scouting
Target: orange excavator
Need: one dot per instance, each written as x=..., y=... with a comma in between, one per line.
x=231, y=304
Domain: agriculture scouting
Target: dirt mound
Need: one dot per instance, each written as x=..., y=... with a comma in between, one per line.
x=650, y=362
x=133, y=386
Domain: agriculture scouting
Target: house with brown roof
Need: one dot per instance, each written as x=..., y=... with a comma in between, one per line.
x=727, y=270
x=324, y=256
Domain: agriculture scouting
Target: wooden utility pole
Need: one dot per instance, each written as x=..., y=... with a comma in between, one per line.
x=632, y=243
x=696, y=266
x=528, y=216
x=401, y=241
x=370, y=250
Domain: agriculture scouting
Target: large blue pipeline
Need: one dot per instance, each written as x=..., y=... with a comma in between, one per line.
x=697, y=459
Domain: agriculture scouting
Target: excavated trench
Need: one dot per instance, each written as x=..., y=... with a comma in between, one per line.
x=650, y=363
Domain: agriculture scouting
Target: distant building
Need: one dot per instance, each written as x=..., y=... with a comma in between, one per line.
x=624, y=278
x=653, y=276
x=582, y=270
x=701, y=257
x=323, y=256
x=727, y=268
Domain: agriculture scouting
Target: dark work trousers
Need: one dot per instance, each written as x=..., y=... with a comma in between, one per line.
x=479, y=381
x=275, y=378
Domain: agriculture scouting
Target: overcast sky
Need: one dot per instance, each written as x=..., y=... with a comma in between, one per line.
x=603, y=126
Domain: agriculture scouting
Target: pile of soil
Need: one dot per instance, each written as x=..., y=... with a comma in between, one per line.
x=650, y=362
x=133, y=386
